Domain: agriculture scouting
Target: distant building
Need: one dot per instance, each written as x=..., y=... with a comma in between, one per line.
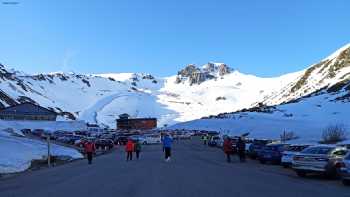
x=94, y=128
x=27, y=111
x=126, y=123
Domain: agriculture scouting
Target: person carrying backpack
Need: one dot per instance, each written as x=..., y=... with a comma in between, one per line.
x=167, y=143
x=89, y=148
x=129, y=148
x=241, y=149
x=138, y=148
x=228, y=149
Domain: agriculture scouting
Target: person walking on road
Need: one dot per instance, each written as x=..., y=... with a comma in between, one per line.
x=138, y=148
x=167, y=143
x=129, y=148
x=205, y=139
x=228, y=149
x=89, y=148
x=241, y=149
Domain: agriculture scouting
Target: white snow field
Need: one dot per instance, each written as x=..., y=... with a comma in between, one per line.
x=16, y=153
x=306, y=118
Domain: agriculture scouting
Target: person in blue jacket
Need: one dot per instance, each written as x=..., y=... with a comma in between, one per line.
x=167, y=143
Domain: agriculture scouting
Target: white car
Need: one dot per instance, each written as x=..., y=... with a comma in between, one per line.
x=345, y=169
x=322, y=159
x=292, y=150
x=152, y=139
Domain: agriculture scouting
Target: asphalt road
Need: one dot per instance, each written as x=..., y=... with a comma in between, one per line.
x=195, y=170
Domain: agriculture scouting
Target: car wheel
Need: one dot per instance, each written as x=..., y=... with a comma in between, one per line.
x=346, y=182
x=145, y=143
x=285, y=165
x=301, y=173
x=331, y=173
x=262, y=161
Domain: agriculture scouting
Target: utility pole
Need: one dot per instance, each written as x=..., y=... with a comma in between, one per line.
x=48, y=151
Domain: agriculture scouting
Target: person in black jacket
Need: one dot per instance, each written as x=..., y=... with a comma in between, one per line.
x=241, y=149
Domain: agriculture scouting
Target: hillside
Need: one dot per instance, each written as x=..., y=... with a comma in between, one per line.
x=193, y=93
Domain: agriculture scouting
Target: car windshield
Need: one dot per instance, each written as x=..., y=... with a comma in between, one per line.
x=318, y=150
x=296, y=148
x=274, y=147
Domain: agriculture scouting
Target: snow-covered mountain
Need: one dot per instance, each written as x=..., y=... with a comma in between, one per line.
x=319, y=97
x=193, y=93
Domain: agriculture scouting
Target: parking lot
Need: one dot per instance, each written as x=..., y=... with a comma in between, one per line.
x=195, y=170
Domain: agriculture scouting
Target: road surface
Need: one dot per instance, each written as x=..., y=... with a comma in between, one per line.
x=195, y=170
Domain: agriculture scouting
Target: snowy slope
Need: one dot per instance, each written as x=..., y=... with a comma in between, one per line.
x=16, y=153
x=306, y=117
x=191, y=94
x=331, y=70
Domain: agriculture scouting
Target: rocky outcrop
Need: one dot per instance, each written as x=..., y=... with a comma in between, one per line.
x=188, y=71
x=224, y=69
x=196, y=75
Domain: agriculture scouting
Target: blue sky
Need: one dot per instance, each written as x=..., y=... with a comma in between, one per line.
x=265, y=38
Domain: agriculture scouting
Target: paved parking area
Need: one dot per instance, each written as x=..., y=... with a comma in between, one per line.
x=195, y=170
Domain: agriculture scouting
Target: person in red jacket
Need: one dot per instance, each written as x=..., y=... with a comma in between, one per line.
x=90, y=148
x=129, y=148
x=228, y=149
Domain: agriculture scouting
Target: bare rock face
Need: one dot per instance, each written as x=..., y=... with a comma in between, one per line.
x=188, y=70
x=210, y=67
x=199, y=77
x=224, y=69
x=196, y=75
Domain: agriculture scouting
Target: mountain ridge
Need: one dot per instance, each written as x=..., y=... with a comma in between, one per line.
x=192, y=93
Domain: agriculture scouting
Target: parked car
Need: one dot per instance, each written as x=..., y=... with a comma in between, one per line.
x=46, y=134
x=322, y=159
x=26, y=131
x=38, y=132
x=82, y=141
x=110, y=136
x=121, y=140
x=59, y=133
x=152, y=139
x=256, y=146
x=69, y=138
x=104, y=143
x=213, y=141
x=290, y=152
x=272, y=153
x=344, y=169
x=139, y=138
x=84, y=133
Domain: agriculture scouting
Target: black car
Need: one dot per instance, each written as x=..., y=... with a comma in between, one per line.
x=213, y=141
x=26, y=131
x=256, y=147
x=104, y=143
x=121, y=140
x=38, y=132
x=272, y=153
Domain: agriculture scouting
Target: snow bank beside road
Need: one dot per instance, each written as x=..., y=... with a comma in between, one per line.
x=16, y=153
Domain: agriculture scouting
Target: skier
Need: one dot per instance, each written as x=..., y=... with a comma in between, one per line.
x=129, y=148
x=167, y=142
x=137, y=149
x=228, y=150
x=241, y=149
x=90, y=148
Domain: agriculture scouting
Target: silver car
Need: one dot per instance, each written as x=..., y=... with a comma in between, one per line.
x=322, y=159
x=344, y=167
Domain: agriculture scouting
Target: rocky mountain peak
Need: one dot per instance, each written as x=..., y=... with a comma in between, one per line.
x=197, y=75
